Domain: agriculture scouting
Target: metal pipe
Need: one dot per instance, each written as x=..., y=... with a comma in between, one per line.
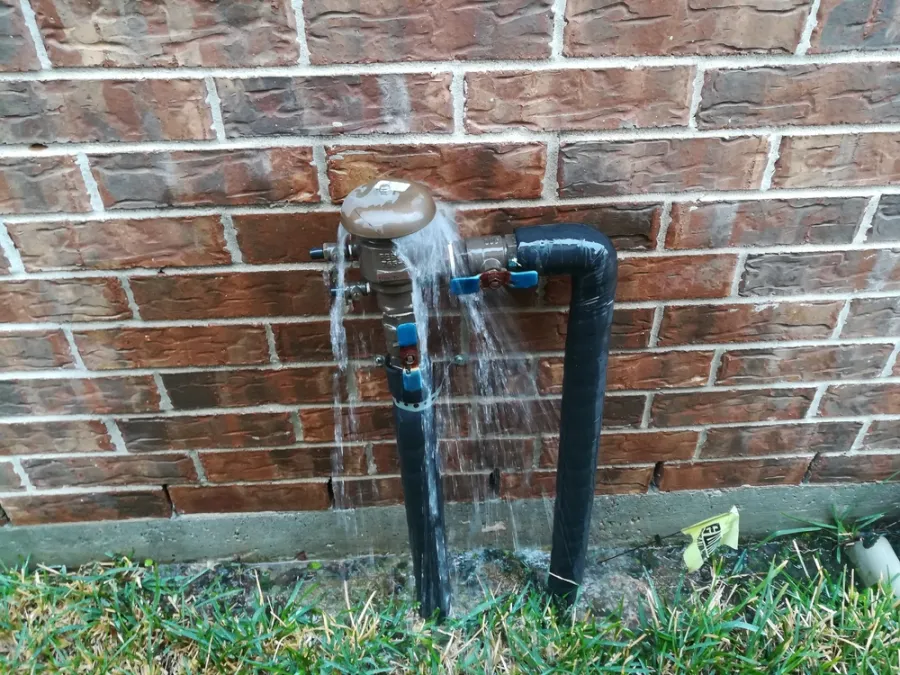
x=589, y=257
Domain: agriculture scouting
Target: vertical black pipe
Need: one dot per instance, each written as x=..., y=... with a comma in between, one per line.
x=423, y=497
x=589, y=257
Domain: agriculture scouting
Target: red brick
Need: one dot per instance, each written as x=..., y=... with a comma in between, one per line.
x=343, y=104
x=121, y=244
x=675, y=277
x=16, y=46
x=605, y=168
x=779, y=440
x=547, y=331
x=611, y=480
x=9, y=479
x=807, y=95
x=284, y=237
x=716, y=475
x=342, y=32
x=835, y=272
x=873, y=317
x=654, y=27
x=62, y=300
x=579, y=100
x=717, y=407
x=542, y=415
x=850, y=25
x=883, y=435
x=845, y=160
x=39, y=184
x=172, y=347
x=312, y=341
x=485, y=454
x=861, y=399
x=642, y=448
x=234, y=295
x=206, y=178
x=284, y=463
x=490, y=377
x=764, y=222
x=209, y=431
x=30, y=438
x=61, y=111
x=71, y=508
x=370, y=423
x=110, y=470
x=101, y=396
x=237, y=388
x=629, y=226
x=855, y=468
x=168, y=33
x=34, y=351
x=461, y=171
x=352, y=494
x=637, y=371
x=710, y=324
x=249, y=498
x=886, y=221
x=799, y=364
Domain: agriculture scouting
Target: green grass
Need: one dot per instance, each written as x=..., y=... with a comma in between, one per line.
x=793, y=617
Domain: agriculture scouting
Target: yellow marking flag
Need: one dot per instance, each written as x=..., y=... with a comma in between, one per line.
x=708, y=534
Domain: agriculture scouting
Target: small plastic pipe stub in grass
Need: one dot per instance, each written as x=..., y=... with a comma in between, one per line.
x=877, y=564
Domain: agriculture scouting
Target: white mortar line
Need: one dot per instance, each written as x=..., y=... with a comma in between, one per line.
x=648, y=409
x=90, y=183
x=865, y=223
x=10, y=252
x=215, y=108
x=550, y=183
x=73, y=348
x=665, y=219
x=231, y=241
x=714, y=366
x=817, y=400
x=701, y=441
x=806, y=36
x=771, y=162
x=320, y=161
x=888, y=369
x=129, y=296
x=35, y=33
x=696, y=95
x=21, y=473
x=863, y=431
x=198, y=467
x=657, y=324
x=298, y=427
x=115, y=436
x=273, y=349
x=303, y=58
x=557, y=36
x=739, y=265
x=165, y=403
x=458, y=98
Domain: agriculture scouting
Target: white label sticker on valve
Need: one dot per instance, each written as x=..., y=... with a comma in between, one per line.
x=391, y=185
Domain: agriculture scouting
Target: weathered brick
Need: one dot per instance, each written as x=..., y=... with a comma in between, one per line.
x=16, y=47
x=78, y=396
x=546, y=331
x=172, y=347
x=206, y=177
x=604, y=168
x=284, y=463
x=71, y=508
x=343, y=104
x=121, y=244
x=779, y=440
x=861, y=399
x=611, y=480
x=248, y=498
x=283, y=237
x=485, y=454
x=352, y=494
x=764, y=222
x=211, y=296
x=369, y=423
x=463, y=171
x=675, y=277
x=636, y=27
x=346, y=32
x=43, y=437
x=62, y=300
x=790, y=95
x=34, y=351
x=629, y=226
x=574, y=99
x=798, y=364
x=168, y=33
x=208, y=431
x=38, y=184
x=850, y=25
x=883, y=435
x=110, y=470
x=655, y=446
x=637, y=371
x=61, y=111
x=542, y=415
x=312, y=341
x=249, y=387
x=718, y=407
x=830, y=272
x=710, y=324
x=837, y=161
x=722, y=474
x=855, y=468
x=873, y=317
x=886, y=221
x=9, y=479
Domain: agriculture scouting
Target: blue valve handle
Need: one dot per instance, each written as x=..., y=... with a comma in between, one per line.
x=469, y=285
x=407, y=335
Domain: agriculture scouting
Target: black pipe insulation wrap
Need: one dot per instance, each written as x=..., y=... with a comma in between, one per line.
x=589, y=257
x=423, y=497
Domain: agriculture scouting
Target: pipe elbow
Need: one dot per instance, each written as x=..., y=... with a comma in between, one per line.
x=568, y=248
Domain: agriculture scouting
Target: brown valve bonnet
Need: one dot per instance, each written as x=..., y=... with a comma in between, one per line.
x=387, y=208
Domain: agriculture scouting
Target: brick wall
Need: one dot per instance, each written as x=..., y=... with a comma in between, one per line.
x=165, y=166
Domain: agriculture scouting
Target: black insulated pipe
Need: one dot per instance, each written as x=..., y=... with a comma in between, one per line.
x=589, y=257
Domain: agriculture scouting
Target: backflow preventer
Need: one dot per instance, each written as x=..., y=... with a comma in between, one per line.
x=374, y=215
